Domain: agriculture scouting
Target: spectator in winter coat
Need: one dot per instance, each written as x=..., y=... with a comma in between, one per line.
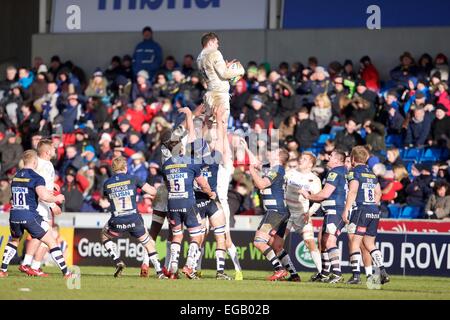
x=73, y=188
x=369, y=74
x=11, y=78
x=438, y=205
x=97, y=85
x=395, y=121
x=142, y=87
x=29, y=125
x=407, y=69
x=258, y=111
x=375, y=135
x=71, y=160
x=440, y=128
x=443, y=96
x=441, y=66
x=72, y=113
x=419, y=127
x=420, y=188
x=348, y=138
x=134, y=143
x=321, y=113
x=318, y=82
x=147, y=55
x=137, y=168
x=306, y=131
x=26, y=78
x=10, y=151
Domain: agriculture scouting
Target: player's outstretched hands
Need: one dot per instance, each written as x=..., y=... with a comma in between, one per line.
x=213, y=196
x=186, y=111
x=60, y=198
x=56, y=210
x=229, y=63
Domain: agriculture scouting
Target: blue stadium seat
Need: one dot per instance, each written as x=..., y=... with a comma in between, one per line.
x=408, y=165
x=336, y=129
x=431, y=154
x=412, y=154
x=445, y=154
x=394, y=140
x=411, y=212
x=395, y=211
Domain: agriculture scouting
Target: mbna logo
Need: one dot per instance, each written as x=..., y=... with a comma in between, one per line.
x=303, y=256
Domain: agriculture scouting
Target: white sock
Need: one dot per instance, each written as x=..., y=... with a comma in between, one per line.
x=192, y=255
x=315, y=255
x=286, y=261
x=232, y=251
x=112, y=249
x=175, y=249
x=200, y=259
x=167, y=258
x=369, y=270
x=35, y=265
x=153, y=257
x=10, y=252
x=146, y=259
x=27, y=260
x=377, y=258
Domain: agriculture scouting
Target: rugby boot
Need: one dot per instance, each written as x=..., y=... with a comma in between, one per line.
x=37, y=273
x=222, y=276
x=335, y=278
x=161, y=276
x=384, y=277
x=294, y=278
x=144, y=271
x=278, y=275
x=355, y=279
x=3, y=274
x=120, y=266
x=238, y=276
x=24, y=268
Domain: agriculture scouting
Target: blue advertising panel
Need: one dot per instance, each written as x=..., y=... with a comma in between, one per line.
x=353, y=13
x=404, y=254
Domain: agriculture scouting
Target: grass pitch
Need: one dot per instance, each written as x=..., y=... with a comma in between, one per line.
x=98, y=283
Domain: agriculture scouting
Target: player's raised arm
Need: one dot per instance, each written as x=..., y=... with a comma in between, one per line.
x=46, y=195
x=189, y=123
x=260, y=182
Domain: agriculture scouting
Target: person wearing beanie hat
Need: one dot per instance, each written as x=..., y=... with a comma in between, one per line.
x=348, y=72
x=148, y=54
x=142, y=87
x=440, y=128
x=97, y=85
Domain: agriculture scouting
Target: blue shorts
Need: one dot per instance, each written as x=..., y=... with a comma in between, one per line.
x=206, y=207
x=364, y=221
x=35, y=226
x=332, y=222
x=133, y=224
x=274, y=223
x=189, y=216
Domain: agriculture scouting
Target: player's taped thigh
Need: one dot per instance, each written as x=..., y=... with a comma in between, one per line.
x=272, y=221
x=196, y=232
x=157, y=218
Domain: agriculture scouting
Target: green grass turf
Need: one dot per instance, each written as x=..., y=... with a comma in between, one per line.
x=98, y=283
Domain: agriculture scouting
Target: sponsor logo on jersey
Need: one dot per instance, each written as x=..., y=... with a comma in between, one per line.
x=332, y=176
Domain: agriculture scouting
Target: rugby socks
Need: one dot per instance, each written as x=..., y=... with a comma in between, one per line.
x=326, y=265
x=232, y=251
x=369, y=270
x=8, y=254
x=355, y=261
x=112, y=250
x=58, y=257
x=27, y=260
x=175, y=249
x=272, y=257
x=377, y=258
x=220, y=260
x=200, y=259
x=315, y=255
x=333, y=254
x=36, y=265
x=146, y=259
x=286, y=261
x=193, y=254
x=167, y=258
x=153, y=257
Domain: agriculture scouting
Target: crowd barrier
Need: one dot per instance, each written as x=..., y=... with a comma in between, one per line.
x=410, y=247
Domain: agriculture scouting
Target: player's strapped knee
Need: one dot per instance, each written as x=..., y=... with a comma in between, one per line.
x=177, y=232
x=261, y=240
x=157, y=219
x=196, y=233
x=377, y=258
x=219, y=230
x=146, y=240
x=355, y=259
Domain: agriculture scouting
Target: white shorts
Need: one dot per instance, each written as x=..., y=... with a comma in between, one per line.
x=296, y=224
x=44, y=211
x=161, y=199
x=213, y=99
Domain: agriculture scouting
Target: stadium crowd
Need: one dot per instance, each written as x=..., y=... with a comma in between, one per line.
x=127, y=108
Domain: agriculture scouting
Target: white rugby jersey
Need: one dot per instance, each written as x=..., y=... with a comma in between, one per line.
x=46, y=170
x=295, y=181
